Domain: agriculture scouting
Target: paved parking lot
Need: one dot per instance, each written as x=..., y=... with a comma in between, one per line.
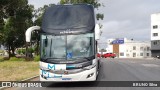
x=121, y=70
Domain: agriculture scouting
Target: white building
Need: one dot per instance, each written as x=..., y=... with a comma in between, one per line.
x=155, y=34
x=125, y=48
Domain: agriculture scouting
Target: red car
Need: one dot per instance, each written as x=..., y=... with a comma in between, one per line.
x=110, y=55
x=99, y=55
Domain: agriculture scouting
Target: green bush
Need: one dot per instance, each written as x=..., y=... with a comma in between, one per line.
x=36, y=49
x=19, y=51
x=31, y=50
x=37, y=58
x=23, y=51
x=16, y=59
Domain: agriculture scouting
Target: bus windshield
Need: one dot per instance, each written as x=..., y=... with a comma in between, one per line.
x=67, y=47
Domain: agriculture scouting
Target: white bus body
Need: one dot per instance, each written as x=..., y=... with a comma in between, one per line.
x=67, y=56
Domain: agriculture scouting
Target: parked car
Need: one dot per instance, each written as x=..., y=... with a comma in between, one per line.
x=109, y=55
x=99, y=55
x=158, y=57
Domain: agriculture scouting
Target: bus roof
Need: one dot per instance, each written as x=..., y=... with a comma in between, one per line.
x=77, y=18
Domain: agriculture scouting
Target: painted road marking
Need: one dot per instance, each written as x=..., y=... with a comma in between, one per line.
x=150, y=65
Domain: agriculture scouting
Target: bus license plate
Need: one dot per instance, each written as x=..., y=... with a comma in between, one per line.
x=66, y=78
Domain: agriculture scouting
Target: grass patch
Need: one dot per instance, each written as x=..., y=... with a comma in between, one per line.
x=16, y=59
x=18, y=70
x=37, y=58
x=1, y=58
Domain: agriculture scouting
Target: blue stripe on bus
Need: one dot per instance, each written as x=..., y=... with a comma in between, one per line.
x=70, y=66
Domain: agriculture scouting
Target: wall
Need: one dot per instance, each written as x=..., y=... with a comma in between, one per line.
x=155, y=40
x=126, y=49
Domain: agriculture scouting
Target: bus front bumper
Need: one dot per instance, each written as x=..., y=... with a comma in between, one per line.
x=86, y=75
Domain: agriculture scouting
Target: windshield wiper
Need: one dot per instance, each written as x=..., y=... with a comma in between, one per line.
x=78, y=27
x=87, y=58
x=46, y=59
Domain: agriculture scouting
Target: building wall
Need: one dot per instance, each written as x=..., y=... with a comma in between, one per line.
x=1, y=47
x=109, y=49
x=138, y=50
x=122, y=50
x=116, y=49
x=155, y=45
x=132, y=49
x=155, y=26
x=155, y=34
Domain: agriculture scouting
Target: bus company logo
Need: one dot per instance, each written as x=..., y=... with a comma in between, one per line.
x=68, y=31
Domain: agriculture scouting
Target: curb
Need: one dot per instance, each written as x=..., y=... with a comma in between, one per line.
x=30, y=78
x=2, y=88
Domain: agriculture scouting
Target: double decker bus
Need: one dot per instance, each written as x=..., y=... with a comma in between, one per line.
x=68, y=43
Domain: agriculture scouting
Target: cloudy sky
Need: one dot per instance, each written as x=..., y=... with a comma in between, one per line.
x=122, y=18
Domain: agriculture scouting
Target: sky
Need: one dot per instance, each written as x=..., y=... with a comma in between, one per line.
x=122, y=18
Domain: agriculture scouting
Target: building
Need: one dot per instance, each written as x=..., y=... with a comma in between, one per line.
x=155, y=34
x=1, y=47
x=124, y=48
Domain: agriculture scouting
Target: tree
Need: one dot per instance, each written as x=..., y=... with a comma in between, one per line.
x=9, y=7
x=95, y=3
x=18, y=17
x=38, y=13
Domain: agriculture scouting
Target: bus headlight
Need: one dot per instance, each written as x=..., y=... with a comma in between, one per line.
x=90, y=75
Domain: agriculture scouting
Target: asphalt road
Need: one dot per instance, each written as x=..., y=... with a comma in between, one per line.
x=118, y=70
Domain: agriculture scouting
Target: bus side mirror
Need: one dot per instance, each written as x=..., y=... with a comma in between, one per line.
x=29, y=31
x=97, y=32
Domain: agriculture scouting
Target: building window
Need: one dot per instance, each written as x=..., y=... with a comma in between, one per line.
x=134, y=54
x=121, y=54
x=155, y=26
x=147, y=54
x=141, y=48
x=148, y=48
x=134, y=47
x=141, y=54
x=155, y=43
x=127, y=55
x=155, y=34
